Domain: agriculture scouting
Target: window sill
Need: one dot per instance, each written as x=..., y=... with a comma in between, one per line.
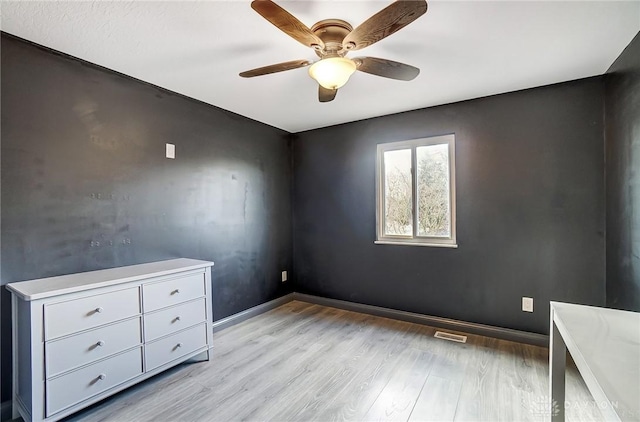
x=400, y=243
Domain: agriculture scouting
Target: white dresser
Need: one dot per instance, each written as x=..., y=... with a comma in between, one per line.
x=82, y=337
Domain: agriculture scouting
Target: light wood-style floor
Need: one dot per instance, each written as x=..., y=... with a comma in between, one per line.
x=303, y=362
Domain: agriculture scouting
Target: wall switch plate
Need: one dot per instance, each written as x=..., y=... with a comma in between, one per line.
x=527, y=304
x=171, y=151
x=284, y=276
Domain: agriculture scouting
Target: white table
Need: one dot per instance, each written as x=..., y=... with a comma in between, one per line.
x=605, y=345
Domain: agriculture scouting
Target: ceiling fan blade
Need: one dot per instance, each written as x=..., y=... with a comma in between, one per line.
x=384, y=23
x=274, y=68
x=325, y=95
x=287, y=23
x=386, y=68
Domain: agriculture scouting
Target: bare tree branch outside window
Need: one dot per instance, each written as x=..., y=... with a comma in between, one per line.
x=433, y=190
x=398, y=198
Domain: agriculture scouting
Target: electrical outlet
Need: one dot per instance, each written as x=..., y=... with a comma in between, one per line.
x=171, y=151
x=527, y=304
x=284, y=276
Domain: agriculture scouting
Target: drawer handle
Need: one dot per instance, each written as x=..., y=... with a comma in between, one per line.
x=99, y=310
x=175, y=292
x=178, y=345
x=98, y=379
x=176, y=319
x=100, y=343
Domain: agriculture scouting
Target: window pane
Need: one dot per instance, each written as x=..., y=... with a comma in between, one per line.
x=433, y=190
x=398, y=217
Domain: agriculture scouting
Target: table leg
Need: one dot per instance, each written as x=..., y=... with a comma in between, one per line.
x=557, y=366
x=15, y=414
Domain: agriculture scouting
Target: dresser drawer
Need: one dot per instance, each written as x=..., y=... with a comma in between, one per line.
x=176, y=345
x=175, y=318
x=69, y=317
x=171, y=292
x=79, y=385
x=71, y=352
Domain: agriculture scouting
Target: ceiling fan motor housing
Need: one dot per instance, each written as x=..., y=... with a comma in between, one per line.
x=332, y=32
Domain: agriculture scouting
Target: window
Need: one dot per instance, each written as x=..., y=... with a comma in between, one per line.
x=415, y=192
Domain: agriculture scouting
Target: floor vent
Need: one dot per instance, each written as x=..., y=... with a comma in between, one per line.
x=451, y=337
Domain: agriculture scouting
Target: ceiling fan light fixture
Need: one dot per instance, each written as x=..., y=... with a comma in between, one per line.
x=332, y=72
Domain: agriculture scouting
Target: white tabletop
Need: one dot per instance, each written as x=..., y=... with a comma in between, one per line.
x=605, y=345
x=53, y=286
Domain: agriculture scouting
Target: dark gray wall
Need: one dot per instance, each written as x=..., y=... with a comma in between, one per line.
x=622, y=137
x=83, y=161
x=530, y=199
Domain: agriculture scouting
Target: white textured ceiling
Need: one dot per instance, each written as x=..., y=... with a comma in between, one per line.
x=465, y=49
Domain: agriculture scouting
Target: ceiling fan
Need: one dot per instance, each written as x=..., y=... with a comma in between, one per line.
x=332, y=39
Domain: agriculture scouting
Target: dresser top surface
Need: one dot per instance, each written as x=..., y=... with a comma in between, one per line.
x=54, y=286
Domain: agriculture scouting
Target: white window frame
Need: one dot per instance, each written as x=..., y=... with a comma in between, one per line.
x=414, y=239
